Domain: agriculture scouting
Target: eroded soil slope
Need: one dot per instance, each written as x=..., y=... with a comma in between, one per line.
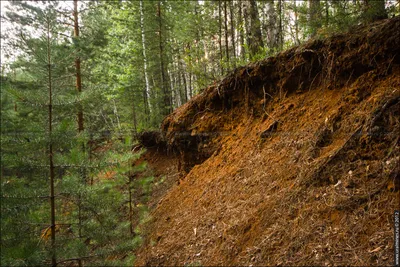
x=293, y=160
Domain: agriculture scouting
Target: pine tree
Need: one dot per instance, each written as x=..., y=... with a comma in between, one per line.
x=61, y=231
x=44, y=63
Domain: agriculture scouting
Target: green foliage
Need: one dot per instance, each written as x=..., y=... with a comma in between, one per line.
x=88, y=202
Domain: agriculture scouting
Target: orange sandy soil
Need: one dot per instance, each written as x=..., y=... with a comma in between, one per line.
x=321, y=189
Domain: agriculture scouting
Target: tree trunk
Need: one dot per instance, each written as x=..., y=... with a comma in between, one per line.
x=51, y=162
x=231, y=11
x=174, y=89
x=184, y=71
x=198, y=36
x=296, y=24
x=254, y=40
x=181, y=72
x=146, y=93
x=179, y=89
x=280, y=30
x=185, y=87
x=272, y=27
x=80, y=112
x=190, y=86
x=220, y=36
x=241, y=34
x=190, y=74
x=226, y=34
x=78, y=66
x=164, y=82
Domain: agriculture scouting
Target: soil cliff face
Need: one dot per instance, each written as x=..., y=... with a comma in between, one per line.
x=293, y=160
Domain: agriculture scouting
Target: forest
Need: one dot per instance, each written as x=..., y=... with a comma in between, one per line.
x=87, y=86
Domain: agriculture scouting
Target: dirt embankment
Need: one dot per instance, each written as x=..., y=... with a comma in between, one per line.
x=293, y=160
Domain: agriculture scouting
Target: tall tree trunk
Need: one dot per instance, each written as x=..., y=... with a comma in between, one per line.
x=164, y=82
x=78, y=66
x=179, y=85
x=146, y=93
x=184, y=87
x=226, y=34
x=220, y=35
x=190, y=85
x=254, y=40
x=190, y=72
x=184, y=72
x=51, y=162
x=241, y=34
x=174, y=89
x=296, y=24
x=198, y=37
x=273, y=26
x=80, y=113
x=280, y=42
x=181, y=72
x=116, y=115
x=205, y=54
x=231, y=11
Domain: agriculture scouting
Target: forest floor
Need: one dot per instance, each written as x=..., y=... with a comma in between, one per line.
x=293, y=160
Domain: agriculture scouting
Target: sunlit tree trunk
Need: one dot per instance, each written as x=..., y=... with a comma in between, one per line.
x=181, y=72
x=241, y=32
x=190, y=74
x=231, y=11
x=226, y=34
x=174, y=87
x=220, y=35
x=280, y=26
x=296, y=24
x=272, y=27
x=146, y=93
